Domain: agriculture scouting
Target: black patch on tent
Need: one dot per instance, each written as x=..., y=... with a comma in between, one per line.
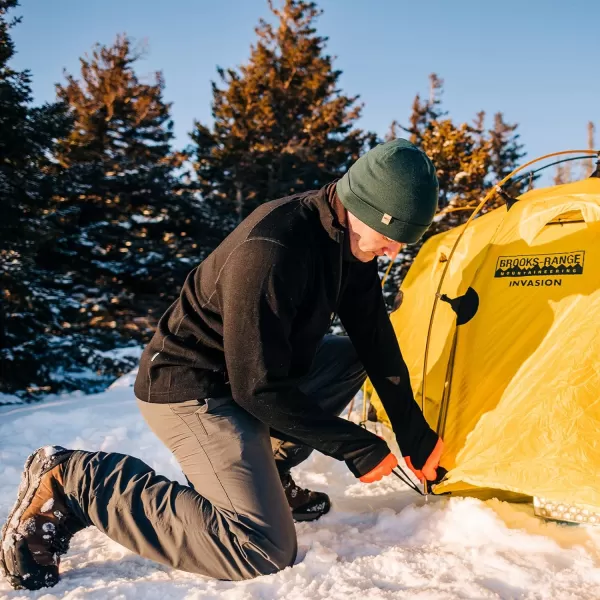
x=508, y=199
x=465, y=306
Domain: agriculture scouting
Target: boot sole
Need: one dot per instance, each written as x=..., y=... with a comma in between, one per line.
x=10, y=536
x=303, y=517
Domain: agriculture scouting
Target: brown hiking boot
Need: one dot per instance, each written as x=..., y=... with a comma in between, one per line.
x=306, y=505
x=40, y=526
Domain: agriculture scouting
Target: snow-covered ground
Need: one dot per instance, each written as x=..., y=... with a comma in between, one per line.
x=380, y=541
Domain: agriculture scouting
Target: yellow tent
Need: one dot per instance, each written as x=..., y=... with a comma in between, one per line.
x=515, y=391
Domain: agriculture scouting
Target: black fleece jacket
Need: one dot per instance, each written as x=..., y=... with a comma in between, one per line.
x=250, y=317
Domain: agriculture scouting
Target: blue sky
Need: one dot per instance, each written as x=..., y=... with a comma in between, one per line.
x=534, y=60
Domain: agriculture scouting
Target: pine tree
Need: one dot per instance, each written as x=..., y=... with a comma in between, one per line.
x=468, y=160
x=424, y=113
x=27, y=137
x=506, y=154
x=128, y=229
x=281, y=125
x=460, y=153
x=462, y=162
x=26, y=134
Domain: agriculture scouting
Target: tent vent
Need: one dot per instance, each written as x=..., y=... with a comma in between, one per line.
x=571, y=216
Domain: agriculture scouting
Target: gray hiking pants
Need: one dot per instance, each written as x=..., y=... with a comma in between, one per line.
x=233, y=520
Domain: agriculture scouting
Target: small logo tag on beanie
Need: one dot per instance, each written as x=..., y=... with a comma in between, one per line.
x=386, y=219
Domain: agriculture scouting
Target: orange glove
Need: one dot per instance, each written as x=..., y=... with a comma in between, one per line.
x=381, y=470
x=429, y=470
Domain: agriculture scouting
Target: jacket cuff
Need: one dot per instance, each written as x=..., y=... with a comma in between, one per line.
x=421, y=449
x=361, y=465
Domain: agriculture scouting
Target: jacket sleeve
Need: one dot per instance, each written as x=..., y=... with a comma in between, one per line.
x=260, y=289
x=363, y=313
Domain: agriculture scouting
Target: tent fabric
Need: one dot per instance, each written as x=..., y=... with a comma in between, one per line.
x=522, y=377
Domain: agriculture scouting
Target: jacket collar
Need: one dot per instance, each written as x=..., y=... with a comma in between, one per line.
x=341, y=217
x=323, y=201
x=337, y=231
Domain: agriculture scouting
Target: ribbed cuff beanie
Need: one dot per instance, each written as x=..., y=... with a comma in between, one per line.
x=393, y=189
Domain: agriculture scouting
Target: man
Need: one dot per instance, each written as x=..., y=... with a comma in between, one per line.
x=241, y=383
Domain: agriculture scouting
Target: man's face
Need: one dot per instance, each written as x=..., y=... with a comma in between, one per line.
x=366, y=243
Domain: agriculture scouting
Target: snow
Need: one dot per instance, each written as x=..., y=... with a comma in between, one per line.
x=120, y=353
x=146, y=219
x=9, y=399
x=381, y=541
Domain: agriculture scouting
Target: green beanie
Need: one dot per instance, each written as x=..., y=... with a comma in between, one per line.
x=393, y=189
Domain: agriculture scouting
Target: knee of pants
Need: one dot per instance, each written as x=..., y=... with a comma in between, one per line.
x=352, y=363
x=269, y=559
x=339, y=352
x=288, y=554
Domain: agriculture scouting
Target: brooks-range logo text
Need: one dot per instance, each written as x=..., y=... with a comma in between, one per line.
x=540, y=269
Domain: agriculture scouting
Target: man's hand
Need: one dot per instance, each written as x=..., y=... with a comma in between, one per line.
x=381, y=470
x=429, y=470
